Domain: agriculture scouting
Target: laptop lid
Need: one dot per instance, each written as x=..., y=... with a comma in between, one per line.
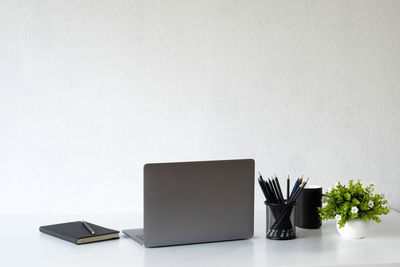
x=194, y=202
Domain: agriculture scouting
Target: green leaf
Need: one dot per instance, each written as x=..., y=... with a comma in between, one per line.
x=355, y=201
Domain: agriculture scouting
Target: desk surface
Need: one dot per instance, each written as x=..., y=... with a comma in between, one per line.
x=23, y=245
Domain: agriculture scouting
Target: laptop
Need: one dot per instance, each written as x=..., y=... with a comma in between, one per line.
x=196, y=202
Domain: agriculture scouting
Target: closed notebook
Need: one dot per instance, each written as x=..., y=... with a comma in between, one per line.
x=77, y=233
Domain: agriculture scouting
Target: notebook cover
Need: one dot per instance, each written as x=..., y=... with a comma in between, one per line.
x=72, y=231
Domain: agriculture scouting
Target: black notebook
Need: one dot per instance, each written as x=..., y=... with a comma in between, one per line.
x=77, y=233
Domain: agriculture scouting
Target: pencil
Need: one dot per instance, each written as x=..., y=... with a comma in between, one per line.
x=296, y=184
x=299, y=190
x=287, y=188
x=275, y=189
x=283, y=222
x=268, y=181
x=264, y=186
x=270, y=192
x=287, y=210
x=263, y=189
x=87, y=226
x=278, y=186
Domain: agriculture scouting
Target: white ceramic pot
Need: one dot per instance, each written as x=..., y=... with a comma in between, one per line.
x=354, y=229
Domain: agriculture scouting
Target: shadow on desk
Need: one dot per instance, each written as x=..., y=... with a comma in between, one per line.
x=308, y=233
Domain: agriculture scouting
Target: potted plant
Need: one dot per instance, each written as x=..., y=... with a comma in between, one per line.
x=353, y=207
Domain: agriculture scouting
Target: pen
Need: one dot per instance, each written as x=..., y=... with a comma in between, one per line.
x=87, y=226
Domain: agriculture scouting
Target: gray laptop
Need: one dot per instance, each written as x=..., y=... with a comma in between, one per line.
x=196, y=202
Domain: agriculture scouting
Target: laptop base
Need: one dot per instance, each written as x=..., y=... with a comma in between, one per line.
x=135, y=234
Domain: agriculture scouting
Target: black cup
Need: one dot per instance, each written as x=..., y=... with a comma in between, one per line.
x=307, y=215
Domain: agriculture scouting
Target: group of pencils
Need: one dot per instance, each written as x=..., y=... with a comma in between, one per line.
x=282, y=228
x=273, y=192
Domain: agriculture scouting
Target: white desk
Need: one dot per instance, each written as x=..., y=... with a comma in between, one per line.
x=23, y=245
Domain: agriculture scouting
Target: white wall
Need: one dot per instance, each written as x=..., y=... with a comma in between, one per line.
x=92, y=90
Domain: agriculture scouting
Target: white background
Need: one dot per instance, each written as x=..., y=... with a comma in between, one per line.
x=92, y=90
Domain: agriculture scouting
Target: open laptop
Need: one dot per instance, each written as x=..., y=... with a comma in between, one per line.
x=196, y=202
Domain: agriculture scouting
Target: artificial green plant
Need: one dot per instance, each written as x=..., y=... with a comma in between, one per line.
x=354, y=201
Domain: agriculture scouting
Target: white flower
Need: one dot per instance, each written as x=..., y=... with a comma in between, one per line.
x=371, y=183
x=328, y=190
x=324, y=204
x=354, y=210
x=385, y=205
x=336, y=184
x=370, y=204
x=338, y=217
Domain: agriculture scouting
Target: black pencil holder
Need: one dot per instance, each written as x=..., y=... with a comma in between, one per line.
x=308, y=202
x=280, y=223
